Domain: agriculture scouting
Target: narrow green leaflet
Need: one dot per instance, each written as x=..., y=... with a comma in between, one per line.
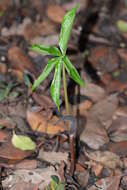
x=55, y=86
x=66, y=28
x=26, y=80
x=73, y=73
x=23, y=142
x=2, y=94
x=45, y=50
x=48, y=68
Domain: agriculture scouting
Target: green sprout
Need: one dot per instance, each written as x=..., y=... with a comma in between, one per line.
x=55, y=184
x=60, y=61
x=6, y=91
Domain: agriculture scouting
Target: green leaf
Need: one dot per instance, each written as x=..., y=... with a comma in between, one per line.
x=3, y=85
x=26, y=80
x=66, y=28
x=23, y=142
x=13, y=95
x=48, y=68
x=73, y=73
x=55, y=178
x=2, y=94
x=55, y=86
x=122, y=25
x=45, y=50
x=60, y=187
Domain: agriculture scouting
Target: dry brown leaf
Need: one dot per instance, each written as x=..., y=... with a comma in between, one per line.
x=9, y=153
x=3, y=68
x=97, y=169
x=119, y=148
x=33, y=30
x=93, y=91
x=104, y=59
x=41, y=123
x=55, y=13
x=3, y=136
x=20, y=62
x=94, y=134
x=118, y=130
x=106, y=158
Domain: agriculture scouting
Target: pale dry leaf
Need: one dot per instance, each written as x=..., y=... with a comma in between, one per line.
x=53, y=157
x=37, y=176
x=106, y=158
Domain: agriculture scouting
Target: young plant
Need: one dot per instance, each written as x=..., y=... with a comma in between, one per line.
x=60, y=61
x=55, y=184
x=6, y=91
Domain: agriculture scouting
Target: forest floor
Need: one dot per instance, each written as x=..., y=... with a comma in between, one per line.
x=87, y=149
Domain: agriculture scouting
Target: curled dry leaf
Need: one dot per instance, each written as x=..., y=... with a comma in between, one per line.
x=106, y=158
x=39, y=122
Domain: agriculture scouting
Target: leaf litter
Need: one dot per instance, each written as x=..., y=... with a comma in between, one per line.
x=96, y=149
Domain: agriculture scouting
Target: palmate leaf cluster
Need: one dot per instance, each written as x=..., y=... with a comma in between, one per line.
x=59, y=58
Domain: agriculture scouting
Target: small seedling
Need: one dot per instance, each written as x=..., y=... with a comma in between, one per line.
x=6, y=91
x=60, y=61
x=55, y=184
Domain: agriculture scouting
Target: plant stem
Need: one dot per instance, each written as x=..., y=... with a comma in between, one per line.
x=65, y=90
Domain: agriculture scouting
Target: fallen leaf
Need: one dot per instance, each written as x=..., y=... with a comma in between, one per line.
x=104, y=110
x=119, y=148
x=33, y=30
x=20, y=62
x=24, y=186
x=93, y=91
x=11, y=154
x=104, y=59
x=3, y=68
x=41, y=123
x=26, y=164
x=55, y=12
x=122, y=25
x=39, y=176
x=53, y=157
x=124, y=182
x=118, y=130
x=83, y=178
x=108, y=183
x=94, y=134
x=106, y=158
x=3, y=136
x=97, y=169
x=23, y=142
